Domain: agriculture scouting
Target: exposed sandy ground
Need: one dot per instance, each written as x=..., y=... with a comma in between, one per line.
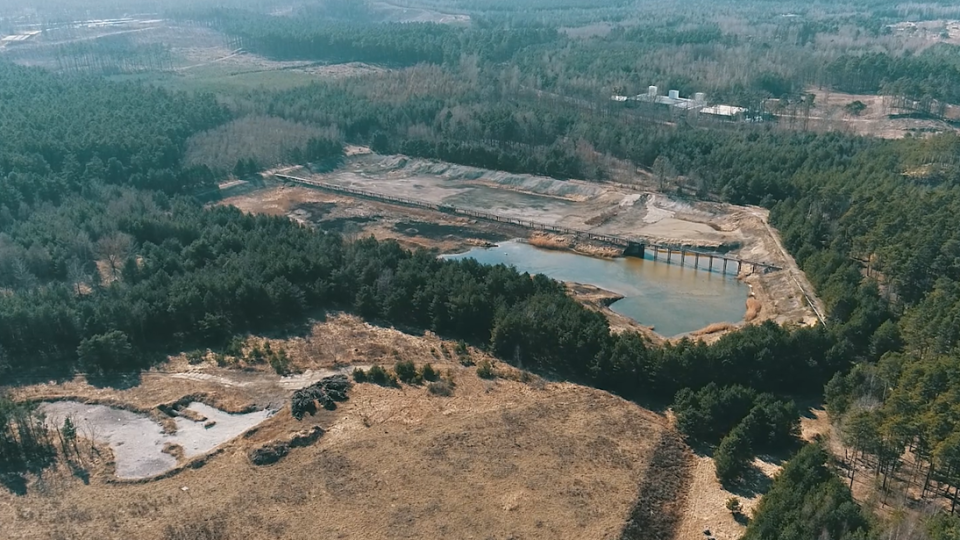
x=394, y=13
x=613, y=209
x=828, y=114
x=359, y=218
x=706, y=502
x=706, y=499
x=578, y=205
x=498, y=459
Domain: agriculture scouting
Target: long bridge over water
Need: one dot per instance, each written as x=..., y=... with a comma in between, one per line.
x=637, y=247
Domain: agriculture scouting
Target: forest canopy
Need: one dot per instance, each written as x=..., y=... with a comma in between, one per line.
x=109, y=260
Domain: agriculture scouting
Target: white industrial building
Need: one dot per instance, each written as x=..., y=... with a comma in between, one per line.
x=698, y=103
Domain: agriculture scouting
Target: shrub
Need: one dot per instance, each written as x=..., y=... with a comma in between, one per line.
x=441, y=388
x=855, y=108
x=734, y=506
x=195, y=357
x=235, y=347
x=428, y=373
x=378, y=375
x=485, y=370
x=359, y=375
x=280, y=363
x=406, y=371
x=213, y=529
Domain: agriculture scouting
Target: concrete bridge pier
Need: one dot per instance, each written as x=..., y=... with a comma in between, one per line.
x=636, y=250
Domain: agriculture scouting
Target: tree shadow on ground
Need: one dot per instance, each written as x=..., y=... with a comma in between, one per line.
x=81, y=473
x=117, y=380
x=28, y=376
x=16, y=483
x=753, y=483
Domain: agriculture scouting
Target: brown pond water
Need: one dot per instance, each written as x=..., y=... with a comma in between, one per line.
x=674, y=299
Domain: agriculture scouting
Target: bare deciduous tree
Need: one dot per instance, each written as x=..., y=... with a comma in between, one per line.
x=115, y=249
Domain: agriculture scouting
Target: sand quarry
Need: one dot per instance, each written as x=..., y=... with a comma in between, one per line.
x=513, y=457
x=625, y=210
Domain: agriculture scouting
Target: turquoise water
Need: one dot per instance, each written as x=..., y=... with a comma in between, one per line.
x=673, y=299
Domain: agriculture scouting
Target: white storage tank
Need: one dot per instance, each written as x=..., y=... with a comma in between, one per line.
x=652, y=91
x=674, y=94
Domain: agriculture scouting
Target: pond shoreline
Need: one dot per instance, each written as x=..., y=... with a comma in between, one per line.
x=670, y=300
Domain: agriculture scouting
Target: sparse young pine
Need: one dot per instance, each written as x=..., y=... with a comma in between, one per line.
x=406, y=371
x=429, y=374
x=359, y=375
x=485, y=370
x=69, y=430
x=195, y=357
x=379, y=375
x=733, y=457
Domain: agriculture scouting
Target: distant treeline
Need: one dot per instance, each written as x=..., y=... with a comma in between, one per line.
x=313, y=36
x=925, y=83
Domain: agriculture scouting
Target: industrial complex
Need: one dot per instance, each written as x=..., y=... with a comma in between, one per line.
x=697, y=104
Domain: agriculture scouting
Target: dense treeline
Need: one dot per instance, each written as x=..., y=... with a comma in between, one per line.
x=807, y=501
x=113, y=55
x=925, y=83
x=740, y=62
x=103, y=260
x=741, y=422
x=60, y=133
x=314, y=36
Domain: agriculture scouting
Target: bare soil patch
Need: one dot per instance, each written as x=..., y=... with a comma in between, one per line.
x=881, y=118
x=706, y=502
x=355, y=218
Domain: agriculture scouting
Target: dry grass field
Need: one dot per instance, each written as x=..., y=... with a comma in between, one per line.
x=511, y=457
